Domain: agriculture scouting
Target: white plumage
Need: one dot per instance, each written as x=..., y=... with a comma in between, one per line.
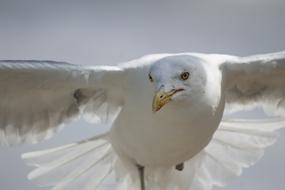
x=37, y=97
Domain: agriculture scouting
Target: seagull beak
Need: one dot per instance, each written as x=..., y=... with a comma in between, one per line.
x=161, y=98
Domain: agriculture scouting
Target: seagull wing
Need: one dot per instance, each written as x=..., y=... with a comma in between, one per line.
x=37, y=97
x=255, y=80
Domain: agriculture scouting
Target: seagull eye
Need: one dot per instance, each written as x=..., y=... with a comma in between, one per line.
x=184, y=75
x=150, y=78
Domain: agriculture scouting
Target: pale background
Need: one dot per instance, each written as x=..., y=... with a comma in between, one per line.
x=108, y=32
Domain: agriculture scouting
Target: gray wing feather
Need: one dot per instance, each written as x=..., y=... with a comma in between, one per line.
x=256, y=80
x=37, y=97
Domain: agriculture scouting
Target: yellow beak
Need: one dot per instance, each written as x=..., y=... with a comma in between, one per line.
x=161, y=98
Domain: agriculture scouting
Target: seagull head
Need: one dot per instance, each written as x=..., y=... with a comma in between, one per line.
x=179, y=78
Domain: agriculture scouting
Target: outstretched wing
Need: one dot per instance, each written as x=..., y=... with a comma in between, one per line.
x=260, y=79
x=36, y=97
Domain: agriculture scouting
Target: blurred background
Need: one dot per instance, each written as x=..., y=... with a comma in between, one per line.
x=108, y=32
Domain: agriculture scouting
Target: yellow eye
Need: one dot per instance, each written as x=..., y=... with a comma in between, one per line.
x=184, y=75
x=150, y=78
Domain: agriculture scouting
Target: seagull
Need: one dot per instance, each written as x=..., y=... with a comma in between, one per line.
x=168, y=128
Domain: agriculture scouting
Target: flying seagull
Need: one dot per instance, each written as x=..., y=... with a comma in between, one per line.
x=166, y=111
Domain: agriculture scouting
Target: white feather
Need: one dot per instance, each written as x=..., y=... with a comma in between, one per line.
x=39, y=96
x=255, y=80
x=83, y=165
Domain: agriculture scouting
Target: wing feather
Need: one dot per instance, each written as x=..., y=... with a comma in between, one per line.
x=256, y=80
x=37, y=97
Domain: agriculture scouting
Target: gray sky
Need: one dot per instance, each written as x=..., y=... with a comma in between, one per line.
x=108, y=32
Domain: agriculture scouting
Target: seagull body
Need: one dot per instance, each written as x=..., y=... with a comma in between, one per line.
x=175, y=133
x=166, y=111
